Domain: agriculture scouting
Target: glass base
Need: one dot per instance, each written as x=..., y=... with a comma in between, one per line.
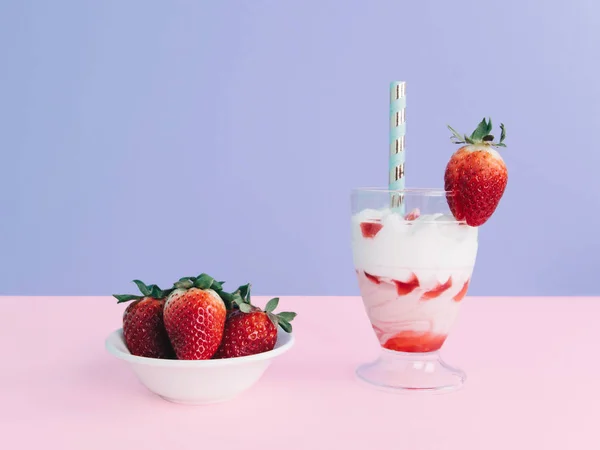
x=411, y=373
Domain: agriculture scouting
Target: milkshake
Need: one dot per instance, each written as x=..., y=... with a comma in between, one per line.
x=412, y=275
x=414, y=251
x=413, y=271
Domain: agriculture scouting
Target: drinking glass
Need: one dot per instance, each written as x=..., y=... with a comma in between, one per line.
x=414, y=262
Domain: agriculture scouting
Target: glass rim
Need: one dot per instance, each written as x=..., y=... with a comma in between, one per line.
x=431, y=192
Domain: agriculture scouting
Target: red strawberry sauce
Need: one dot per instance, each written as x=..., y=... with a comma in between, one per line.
x=461, y=294
x=415, y=342
x=373, y=278
x=406, y=287
x=438, y=290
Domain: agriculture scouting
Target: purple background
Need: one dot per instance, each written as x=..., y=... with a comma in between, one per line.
x=152, y=140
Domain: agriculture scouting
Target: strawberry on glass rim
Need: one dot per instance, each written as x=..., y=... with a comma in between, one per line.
x=476, y=174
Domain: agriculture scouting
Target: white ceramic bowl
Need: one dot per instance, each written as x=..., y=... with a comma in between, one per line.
x=198, y=382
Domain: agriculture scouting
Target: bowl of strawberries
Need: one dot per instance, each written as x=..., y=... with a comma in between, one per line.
x=196, y=343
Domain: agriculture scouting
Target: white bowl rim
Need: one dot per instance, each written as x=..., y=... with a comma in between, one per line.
x=284, y=342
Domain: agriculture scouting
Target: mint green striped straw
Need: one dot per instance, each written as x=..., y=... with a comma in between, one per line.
x=397, y=142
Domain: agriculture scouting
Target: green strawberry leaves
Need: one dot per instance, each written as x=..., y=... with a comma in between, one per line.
x=239, y=299
x=245, y=291
x=456, y=137
x=150, y=291
x=202, y=281
x=481, y=135
x=234, y=299
x=184, y=284
x=205, y=281
x=245, y=307
x=227, y=299
x=502, y=136
x=483, y=129
x=156, y=292
x=283, y=319
x=146, y=290
x=272, y=304
x=121, y=298
x=287, y=316
x=285, y=325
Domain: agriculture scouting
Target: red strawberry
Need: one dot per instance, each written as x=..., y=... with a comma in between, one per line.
x=143, y=328
x=413, y=215
x=250, y=330
x=370, y=229
x=476, y=175
x=194, y=317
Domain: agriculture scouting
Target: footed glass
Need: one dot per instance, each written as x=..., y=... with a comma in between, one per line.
x=414, y=265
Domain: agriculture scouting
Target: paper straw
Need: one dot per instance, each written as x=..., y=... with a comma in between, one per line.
x=397, y=142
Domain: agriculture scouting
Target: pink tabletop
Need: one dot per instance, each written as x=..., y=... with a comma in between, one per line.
x=532, y=364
